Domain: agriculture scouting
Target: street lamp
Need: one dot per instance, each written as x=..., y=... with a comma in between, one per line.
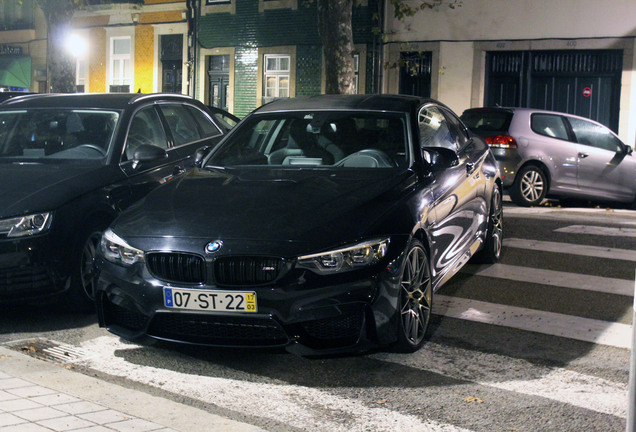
x=75, y=45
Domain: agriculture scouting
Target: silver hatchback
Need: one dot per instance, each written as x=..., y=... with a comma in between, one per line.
x=549, y=154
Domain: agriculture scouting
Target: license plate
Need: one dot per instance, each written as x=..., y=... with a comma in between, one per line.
x=208, y=300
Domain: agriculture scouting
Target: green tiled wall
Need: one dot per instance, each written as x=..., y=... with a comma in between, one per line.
x=247, y=30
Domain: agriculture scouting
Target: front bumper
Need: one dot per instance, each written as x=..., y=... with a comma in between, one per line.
x=303, y=312
x=30, y=268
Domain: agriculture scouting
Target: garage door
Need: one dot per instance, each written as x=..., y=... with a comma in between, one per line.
x=581, y=82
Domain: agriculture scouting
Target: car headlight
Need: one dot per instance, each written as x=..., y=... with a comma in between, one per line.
x=347, y=258
x=26, y=225
x=116, y=250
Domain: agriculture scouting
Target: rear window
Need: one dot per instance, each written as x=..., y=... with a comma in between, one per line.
x=485, y=120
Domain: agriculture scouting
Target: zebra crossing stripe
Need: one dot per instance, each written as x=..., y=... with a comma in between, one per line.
x=598, y=230
x=299, y=407
x=550, y=323
x=518, y=376
x=572, y=249
x=554, y=278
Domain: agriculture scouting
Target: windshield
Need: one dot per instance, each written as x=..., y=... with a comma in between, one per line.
x=56, y=133
x=317, y=139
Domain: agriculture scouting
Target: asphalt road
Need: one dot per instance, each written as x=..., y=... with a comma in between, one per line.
x=535, y=343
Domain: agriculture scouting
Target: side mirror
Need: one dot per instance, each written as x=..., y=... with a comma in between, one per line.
x=200, y=154
x=439, y=157
x=148, y=153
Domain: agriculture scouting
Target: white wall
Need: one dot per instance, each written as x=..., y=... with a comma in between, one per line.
x=459, y=38
x=519, y=19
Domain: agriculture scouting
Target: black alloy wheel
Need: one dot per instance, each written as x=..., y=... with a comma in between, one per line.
x=530, y=187
x=87, y=264
x=415, y=299
x=81, y=295
x=493, y=243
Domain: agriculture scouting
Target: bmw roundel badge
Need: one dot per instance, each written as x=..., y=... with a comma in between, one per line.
x=214, y=246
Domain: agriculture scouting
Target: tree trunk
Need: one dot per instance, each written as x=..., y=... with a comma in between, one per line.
x=60, y=64
x=336, y=33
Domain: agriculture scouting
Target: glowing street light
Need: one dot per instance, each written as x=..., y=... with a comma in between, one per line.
x=76, y=45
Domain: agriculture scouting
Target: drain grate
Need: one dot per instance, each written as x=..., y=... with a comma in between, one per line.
x=50, y=350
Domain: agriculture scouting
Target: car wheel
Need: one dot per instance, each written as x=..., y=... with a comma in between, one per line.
x=82, y=289
x=415, y=299
x=530, y=187
x=491, y=250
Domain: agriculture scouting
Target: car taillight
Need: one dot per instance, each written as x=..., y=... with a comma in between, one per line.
x=501, y=141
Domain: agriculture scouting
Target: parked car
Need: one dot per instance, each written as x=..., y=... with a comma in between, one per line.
x=319, y=224
x=224, y=118
x=6, y=95
x=548, y=154
x=68, y=165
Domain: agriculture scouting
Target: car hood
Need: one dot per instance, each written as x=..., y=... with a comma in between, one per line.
x=33, y=187
x=323, y=207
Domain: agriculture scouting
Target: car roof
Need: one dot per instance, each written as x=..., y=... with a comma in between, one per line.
x=518, y=110
x=86, y=100
x=374, y=102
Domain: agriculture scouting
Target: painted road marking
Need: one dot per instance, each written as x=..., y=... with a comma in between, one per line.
x=598, y=216
x=598, y=230
x=572, y=249
x=299, y=407
x=550, y=323
x=554, y=278
x=302, y=407
x=502, y=372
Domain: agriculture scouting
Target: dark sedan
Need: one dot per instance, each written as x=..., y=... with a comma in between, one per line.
x=319, y=224
x=68, y=165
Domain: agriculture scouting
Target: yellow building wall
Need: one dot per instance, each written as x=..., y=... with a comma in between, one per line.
x=97, y=61
x=160, y=17
x=151, y=2
x=144, y=58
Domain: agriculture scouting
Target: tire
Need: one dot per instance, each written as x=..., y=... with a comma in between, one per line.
x=493, y=243
x=81, y=294
x=415, y=300
x=530, y=186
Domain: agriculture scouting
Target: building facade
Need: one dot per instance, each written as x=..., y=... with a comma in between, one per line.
x=252, y=51
x=575, y=56
x=133, y=47
x=23, y=41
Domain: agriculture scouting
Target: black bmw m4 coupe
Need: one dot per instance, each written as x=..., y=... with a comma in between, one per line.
x=321, y=224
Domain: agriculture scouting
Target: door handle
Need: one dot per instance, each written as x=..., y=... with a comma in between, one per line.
x=470, y=167
x=583, y=155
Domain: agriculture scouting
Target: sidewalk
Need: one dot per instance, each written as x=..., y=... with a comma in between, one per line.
x=40, y=396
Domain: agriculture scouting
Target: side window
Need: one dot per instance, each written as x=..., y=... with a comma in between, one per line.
x=549, y=125
x=145, y=128
x=434, y=131
x=457, y=128
x=181, y=124
x=207, y=127
x=594, y=135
